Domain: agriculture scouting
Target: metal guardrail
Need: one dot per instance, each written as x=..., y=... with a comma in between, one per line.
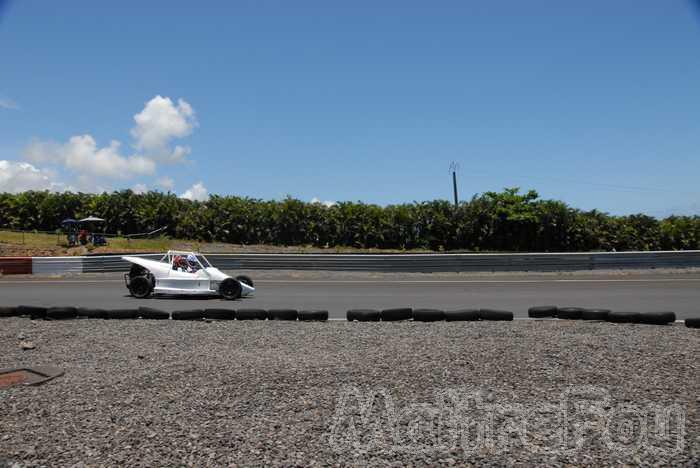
x=427, y=263
x=56, y=265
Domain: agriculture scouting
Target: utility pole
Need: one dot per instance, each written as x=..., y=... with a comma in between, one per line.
x=454, y=167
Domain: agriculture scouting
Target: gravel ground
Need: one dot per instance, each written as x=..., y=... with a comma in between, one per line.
x=142, y=393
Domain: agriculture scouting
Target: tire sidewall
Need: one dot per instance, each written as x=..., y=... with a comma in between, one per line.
x=226, y=292
x=146, y=287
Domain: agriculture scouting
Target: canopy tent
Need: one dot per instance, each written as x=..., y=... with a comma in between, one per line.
x=92, y=219
x=68, y=221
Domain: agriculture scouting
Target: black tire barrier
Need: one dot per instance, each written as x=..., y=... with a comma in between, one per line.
x=397, y=314
x=9, y=312
x=61, y=313
x=219, y=314
x=91, y=313
x=496, y=315
x=542, y=311
x=657, y=318
x=122, y=314
x=148, y=313
x=692, y=322
x=282, y=314
x=623, y=317
x=462, y=315
x=428, y=315
x=313, y=315
x=251, y=314
x=594, y=314
x=32, y=311
x=363, y=315
x=569, y=313
x=196, y=314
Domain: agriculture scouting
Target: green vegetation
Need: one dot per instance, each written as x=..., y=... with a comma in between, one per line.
x=505, y=221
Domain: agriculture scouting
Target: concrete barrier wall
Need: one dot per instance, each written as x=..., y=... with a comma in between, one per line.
x=381, y=263
x=461, y=262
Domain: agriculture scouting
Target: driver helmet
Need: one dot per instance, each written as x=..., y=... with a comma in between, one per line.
x=192, y=260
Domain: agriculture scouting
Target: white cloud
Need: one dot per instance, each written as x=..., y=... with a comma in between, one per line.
x=139, y=189
x=198, y=192
x=326, y=203
x=166, y=183
x=178, y=154
x=21, y=176
x=159, y=123
x=91, y=167
x=82, y=155
x=43, y=152
x=8, y=104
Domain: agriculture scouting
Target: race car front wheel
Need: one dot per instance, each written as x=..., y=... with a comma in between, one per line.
x=230, y=289
x=246, y=280
x=140, y=287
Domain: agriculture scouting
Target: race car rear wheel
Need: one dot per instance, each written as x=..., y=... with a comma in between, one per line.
x=230, y=289
x=137, y=270
x=140, y=287
x=246, y=280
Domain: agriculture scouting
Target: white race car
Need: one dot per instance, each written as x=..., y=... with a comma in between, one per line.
x=183, y=273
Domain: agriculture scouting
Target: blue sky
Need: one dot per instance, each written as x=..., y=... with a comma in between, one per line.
x=595, y=103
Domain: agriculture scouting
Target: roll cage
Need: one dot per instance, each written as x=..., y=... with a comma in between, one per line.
x=201, y=259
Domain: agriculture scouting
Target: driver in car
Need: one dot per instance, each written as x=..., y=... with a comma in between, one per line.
x=192, y=264
x=179, y=263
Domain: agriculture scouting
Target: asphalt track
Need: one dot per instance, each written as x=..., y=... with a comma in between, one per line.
x=678, y=293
